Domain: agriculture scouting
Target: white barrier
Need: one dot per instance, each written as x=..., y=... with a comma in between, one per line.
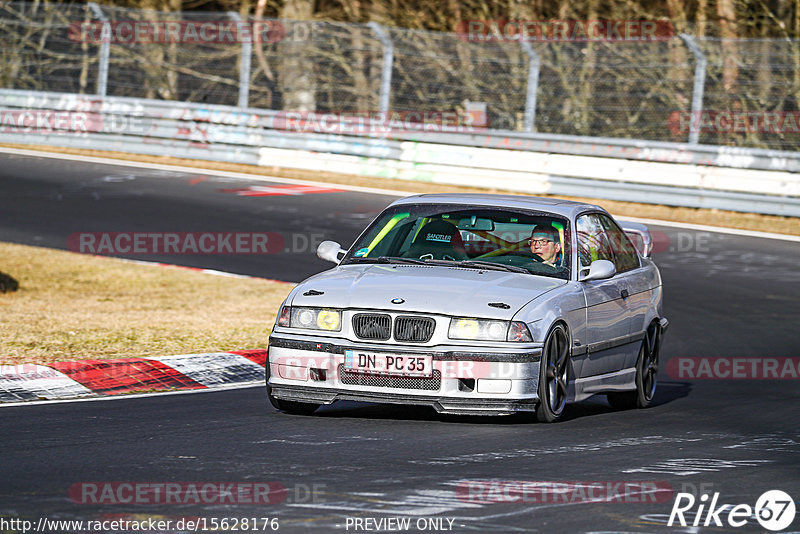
x=531, y=172
x=222, y=133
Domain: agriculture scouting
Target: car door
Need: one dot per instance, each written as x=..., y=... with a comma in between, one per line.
x=628, y=265
x=608, y=319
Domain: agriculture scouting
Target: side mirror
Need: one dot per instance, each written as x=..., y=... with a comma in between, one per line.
x=598, y=270
x=329, y=251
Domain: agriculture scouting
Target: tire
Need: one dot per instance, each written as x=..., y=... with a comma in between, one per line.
x=292, y=407
x=646, y=373
x=553, y=375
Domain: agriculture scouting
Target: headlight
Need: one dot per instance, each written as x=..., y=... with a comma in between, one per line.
x=315, y=318
x=485, y=329
x=488, y=330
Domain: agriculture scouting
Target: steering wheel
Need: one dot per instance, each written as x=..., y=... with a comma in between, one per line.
x=521, y=260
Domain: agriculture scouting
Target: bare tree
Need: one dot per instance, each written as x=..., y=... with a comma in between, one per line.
x=297, y=70
x=726, y=12
x=263, y=64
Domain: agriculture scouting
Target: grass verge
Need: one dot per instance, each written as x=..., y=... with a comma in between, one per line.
x=71, y=306
x=731, y=219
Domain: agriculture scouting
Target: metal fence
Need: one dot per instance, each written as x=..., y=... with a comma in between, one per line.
x=629, y=90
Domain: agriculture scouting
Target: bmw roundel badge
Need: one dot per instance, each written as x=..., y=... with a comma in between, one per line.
x=398, y=300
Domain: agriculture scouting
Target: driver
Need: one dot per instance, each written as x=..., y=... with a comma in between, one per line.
x=544, y=242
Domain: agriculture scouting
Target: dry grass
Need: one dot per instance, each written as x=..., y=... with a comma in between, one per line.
x=71, y=306
x=732, y=219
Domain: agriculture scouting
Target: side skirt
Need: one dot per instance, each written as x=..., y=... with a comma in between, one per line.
x=624, y=380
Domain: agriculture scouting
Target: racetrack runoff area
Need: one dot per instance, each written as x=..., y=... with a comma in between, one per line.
x=726, y=295
x=717, y=218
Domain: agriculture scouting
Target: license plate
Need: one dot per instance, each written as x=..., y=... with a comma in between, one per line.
x=388, y=364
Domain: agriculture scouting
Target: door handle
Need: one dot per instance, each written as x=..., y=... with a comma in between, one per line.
x=624, y=293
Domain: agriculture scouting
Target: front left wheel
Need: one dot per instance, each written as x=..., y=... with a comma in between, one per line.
x=553, y=375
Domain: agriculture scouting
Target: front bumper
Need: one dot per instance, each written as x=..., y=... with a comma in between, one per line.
x=486, y=382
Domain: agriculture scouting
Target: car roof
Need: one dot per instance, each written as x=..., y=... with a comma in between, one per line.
x=566, y=208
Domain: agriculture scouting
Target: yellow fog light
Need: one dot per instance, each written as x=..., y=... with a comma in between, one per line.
x=464, y=329
x=329, y=320
x=316, y=318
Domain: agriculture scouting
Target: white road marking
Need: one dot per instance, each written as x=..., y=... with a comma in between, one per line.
x=423, y=502
x=298, y=440
x=484, y=457
x=770, y=442
x=200, y=170
x=197, y=269
x=694, y=466
x=715, y=229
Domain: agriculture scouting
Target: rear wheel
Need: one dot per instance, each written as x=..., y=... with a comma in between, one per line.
x=646, y=373
x=292, y=407
x=553, y=375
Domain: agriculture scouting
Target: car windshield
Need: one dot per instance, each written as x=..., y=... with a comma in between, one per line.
x=486, y=238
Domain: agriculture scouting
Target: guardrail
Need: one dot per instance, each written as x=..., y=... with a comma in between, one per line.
x=702, y=176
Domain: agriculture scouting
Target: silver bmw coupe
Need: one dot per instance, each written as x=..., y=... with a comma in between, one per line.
x=475, y=304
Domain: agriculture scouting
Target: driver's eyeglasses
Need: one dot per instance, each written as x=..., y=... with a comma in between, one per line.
x=541, y=242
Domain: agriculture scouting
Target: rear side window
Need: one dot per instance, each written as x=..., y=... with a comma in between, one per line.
x=625, y=256
x=593, y=242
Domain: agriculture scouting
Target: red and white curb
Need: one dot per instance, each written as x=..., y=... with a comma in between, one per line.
x=99, y=378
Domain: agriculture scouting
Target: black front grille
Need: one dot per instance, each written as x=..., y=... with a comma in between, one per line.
x=415, y=329
x=429, y=383
x=372, y=325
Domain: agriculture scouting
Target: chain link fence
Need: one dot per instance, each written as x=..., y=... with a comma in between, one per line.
x=194, y=70
x=623, y=89
x=37, y=52
x=440, y=72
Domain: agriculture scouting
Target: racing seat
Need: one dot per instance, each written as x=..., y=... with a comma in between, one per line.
x=438, y=240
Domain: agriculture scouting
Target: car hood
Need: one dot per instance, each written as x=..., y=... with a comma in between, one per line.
x=423, y=288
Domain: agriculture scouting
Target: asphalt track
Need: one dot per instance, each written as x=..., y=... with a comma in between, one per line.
x=725, y=295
